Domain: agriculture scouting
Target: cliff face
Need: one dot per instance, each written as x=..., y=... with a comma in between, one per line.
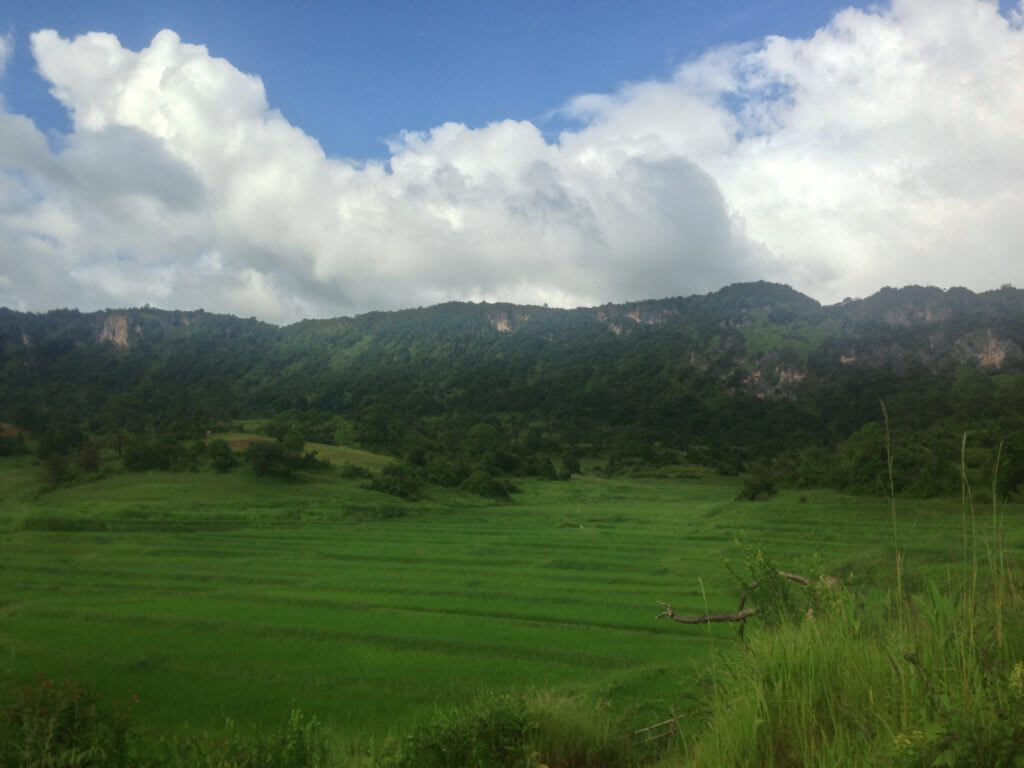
x=118, y=329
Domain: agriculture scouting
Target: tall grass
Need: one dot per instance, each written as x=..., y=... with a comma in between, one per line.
x=62, y=725
x=535, y=730
x=934, y=679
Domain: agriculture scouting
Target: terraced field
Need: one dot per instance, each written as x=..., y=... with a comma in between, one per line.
x=226, y=596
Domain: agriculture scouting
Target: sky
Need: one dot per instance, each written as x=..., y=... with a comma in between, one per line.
x=324, y=159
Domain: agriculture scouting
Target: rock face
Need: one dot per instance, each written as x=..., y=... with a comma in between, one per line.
x=117, y=330
x=774, y=381
x=987, y=350
x=504, y=321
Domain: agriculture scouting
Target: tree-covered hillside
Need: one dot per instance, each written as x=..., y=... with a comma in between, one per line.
x=754, y=371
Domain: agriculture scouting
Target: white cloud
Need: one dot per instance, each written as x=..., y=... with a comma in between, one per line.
x=885, y=149
x=6, y=51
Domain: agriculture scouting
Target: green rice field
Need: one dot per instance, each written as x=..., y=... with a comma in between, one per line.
x=225, y=596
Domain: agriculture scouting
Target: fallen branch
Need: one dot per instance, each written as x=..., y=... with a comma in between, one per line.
x=708, y=618
x=741, y=614
x=803, y=580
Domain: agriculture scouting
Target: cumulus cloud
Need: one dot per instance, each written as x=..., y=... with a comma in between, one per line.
x=6, y=51
x=885, y=149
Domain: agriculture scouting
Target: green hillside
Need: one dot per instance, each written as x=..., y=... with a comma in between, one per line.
x=753, y=373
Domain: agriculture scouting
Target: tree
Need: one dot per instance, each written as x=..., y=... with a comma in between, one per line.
x=269, y=459
x=481, y=439
x=122, y=413
x=222, y=458
x=294, y=440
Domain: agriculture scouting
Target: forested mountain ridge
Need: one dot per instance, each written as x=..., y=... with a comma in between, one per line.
x=754, y=369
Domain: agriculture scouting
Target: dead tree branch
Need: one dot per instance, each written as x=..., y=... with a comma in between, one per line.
x=668, y=613
x=802, y=580
x=741, y=614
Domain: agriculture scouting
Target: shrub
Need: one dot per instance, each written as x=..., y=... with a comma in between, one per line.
x=541, y=466
x=269, y=459
x=487, y=485
x=398, y=480
x=61, y=724
x=222, y=458
x=513, y=730
x=444, y=471
x=759, y=486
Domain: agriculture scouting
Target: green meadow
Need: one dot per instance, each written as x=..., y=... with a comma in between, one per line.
x=212, y=597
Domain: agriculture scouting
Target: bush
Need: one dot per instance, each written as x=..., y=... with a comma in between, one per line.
x=513, y=730
x=61, y=724
x=444, y=471
x=268, y=459
x=222, y=458
x=487, y=485
x=398, y=480
x=759, y=486
x=540, y=466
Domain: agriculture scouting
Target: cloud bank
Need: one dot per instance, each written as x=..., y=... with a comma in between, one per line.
x=885, y=149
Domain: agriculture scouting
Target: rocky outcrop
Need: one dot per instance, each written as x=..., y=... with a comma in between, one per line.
x=774, y=381
x=986, y=349
x=504, y=321
x=119, y=330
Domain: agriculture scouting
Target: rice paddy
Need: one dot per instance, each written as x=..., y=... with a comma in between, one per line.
x=225, y=596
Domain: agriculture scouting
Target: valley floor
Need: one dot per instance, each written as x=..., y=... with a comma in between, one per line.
x=209, y=597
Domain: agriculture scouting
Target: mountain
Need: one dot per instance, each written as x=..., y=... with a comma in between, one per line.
x=755, y=368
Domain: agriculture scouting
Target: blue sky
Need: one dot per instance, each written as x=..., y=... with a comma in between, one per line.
x=354, y=73
x=314, y=160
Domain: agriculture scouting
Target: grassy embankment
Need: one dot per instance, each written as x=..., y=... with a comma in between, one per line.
x=931, y=676
x=224, y=596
